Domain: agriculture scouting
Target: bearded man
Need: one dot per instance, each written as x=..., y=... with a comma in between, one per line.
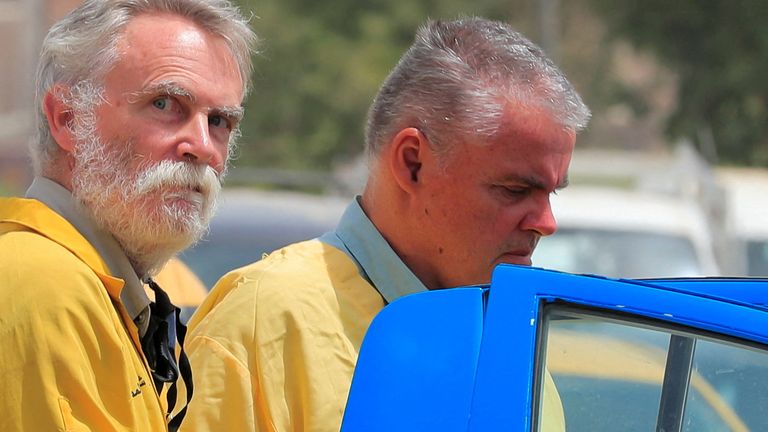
x=139, y=103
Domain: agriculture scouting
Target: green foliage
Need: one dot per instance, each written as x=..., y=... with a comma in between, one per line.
x=718, y=49
x=320, y=66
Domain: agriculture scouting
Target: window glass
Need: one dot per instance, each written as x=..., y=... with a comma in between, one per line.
x=757, y=258
x=612, y=374
x=733, y=376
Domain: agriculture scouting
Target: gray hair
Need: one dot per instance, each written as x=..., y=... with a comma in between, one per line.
x=81, y=49
x=456, y=79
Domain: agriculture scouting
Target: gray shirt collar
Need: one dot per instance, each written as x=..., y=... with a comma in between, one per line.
x=60, y=200
x=359, y=238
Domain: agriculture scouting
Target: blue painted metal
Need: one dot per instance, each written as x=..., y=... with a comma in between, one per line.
x=437, y=361
x=417, y=364
x=746, y=290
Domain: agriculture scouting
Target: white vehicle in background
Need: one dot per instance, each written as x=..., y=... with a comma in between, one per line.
x=746, y=219
x=627, y=233
x=633, y=214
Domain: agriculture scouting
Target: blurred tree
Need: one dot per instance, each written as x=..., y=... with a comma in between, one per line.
x=320, y=66
x=718, y=50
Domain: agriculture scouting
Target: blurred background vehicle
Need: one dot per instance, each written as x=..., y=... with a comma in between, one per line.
x=637, y=215
x=747, y=219
x=633, y=234
x=250, y=223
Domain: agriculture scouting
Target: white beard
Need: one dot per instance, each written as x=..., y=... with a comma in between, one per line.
x=153, y=213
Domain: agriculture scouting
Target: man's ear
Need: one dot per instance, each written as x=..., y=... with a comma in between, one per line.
x=60, y=117
x=407, y=152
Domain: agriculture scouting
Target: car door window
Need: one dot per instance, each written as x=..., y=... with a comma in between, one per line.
x=614, y=373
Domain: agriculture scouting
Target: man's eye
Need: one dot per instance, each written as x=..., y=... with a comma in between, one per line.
x=515, y=190
x=161, y=103
x=218, y=121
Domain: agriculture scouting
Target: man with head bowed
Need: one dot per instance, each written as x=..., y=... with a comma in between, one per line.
x=467, y=139
x=138, y=105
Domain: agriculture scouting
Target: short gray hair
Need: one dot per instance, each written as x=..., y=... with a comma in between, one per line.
x=456, y=79
x=82, y=48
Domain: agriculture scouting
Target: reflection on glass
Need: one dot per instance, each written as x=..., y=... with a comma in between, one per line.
x=610, y=375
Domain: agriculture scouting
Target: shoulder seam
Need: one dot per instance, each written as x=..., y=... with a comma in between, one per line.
x=208, y=339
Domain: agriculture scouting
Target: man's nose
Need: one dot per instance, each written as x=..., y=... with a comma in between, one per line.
x=195, y=144
x=541, y=219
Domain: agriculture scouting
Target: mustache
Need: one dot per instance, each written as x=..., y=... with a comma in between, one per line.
x=200, y=178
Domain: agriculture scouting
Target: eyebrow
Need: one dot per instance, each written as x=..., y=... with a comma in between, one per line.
x=162, y=87
x=234, y=113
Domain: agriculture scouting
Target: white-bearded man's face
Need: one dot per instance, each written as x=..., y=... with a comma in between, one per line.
x=154, y=211
x=150, y=139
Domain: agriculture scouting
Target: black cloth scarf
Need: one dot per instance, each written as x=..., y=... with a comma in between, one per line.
x=159, y=346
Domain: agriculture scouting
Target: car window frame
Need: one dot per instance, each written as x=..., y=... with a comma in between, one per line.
x=517, y=298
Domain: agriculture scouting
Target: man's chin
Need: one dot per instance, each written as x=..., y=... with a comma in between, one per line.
x=152, y=252
x=524, y=260
x=174, y=227
x=183, y=208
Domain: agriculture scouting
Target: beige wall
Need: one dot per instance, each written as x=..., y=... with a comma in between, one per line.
x=23, y=24
x=56, y=9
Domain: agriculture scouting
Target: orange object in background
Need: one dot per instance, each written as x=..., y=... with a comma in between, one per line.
x=184, y=288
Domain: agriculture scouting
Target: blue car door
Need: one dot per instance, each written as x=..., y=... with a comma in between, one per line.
x=548, y=351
